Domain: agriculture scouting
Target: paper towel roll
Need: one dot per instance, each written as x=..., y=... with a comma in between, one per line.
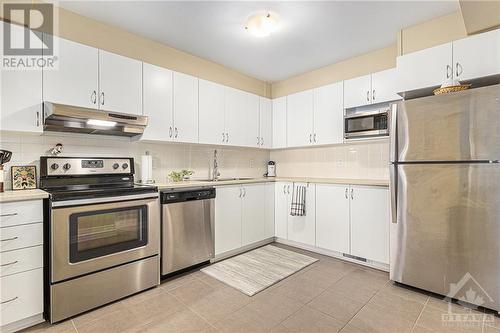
x=146, y=169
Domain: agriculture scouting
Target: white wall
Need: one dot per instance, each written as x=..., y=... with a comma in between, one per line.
x=233, y=162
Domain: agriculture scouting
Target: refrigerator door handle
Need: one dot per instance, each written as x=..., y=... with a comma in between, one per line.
x=394, y=192
x=393, y=133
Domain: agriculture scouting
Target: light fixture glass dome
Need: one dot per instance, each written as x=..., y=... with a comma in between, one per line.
x=262, y=24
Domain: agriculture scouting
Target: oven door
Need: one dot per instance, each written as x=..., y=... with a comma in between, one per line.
x=89, y=235
x=368, y=124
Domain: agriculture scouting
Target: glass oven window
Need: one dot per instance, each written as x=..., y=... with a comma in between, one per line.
x=98, y=233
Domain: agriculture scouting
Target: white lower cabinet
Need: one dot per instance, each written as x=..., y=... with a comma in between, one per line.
x=332, y=217
x=281, y=209
x=243, y=215
x=370, y=223
x=21, y=264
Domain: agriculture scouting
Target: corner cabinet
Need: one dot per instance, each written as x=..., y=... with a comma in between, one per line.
x=265, y=123
x=279, y=122
x=21, y=92
x=244, y=216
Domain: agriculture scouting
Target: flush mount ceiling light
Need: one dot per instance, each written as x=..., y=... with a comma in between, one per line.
x=262, y=24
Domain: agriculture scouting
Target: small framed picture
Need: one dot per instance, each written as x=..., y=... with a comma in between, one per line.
x=23, y=177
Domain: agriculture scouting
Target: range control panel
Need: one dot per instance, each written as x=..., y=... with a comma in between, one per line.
x=70, y=166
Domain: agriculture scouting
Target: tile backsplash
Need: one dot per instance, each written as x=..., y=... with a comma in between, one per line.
x=362, y=159
x=233, y=162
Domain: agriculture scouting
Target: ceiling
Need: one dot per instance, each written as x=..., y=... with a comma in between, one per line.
x=313, y=34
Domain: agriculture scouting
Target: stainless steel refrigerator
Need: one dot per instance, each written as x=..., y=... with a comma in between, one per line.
x=445, y=195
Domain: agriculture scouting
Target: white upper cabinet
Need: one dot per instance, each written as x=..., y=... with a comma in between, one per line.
x=185, y=108
x=328, y=114
x=477, y=56
x=157, y=95
x=76, y=80
x=236, y=108
x=252, y=125
x=370, y=223
x=384, y=86
x=21, y=92
x=302, y=229
x=266, y=122
x=211, y=113
x=425, y=68
x=279, y=122
x=332, y=217
x=300, y=119
x=120, y=83
x=357, y=91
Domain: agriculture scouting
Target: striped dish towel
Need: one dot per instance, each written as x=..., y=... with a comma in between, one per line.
x=298, y=206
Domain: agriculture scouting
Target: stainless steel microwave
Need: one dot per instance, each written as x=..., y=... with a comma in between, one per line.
x=370, y=124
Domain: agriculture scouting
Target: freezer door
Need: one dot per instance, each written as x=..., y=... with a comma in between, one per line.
x=448, y=230
x=460, y=126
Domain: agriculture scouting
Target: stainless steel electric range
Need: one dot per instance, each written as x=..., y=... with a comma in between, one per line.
x=102, y=233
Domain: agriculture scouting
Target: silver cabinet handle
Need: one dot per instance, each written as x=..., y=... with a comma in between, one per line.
x=9, y=239
x=10, y=214
x=373, y=95
x=9, y=300
x=102, y=98
x=346, y=193
x=288, y=189
x=458, y=69
x=9, y=263
x=314, y=137
x=170, y=132
x=176, y=132
x=284, y=189
x=310, y=138
x=258, y=141
x=227, y=137
x=262, y=141
x=38, y=119
x=223, y=137
x=368, y=95
x=449, y=71
x=352, y=193
x=244, y=192
x=93, y=97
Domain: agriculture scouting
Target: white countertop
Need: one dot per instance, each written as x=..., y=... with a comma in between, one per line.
x=22, y=195
x=347, y=181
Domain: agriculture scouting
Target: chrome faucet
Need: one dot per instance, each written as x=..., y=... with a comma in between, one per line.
x=215, y=170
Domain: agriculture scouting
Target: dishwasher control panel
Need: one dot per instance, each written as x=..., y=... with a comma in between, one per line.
x=181, y=195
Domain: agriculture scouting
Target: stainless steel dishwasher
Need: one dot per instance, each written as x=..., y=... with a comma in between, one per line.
x=188, y=217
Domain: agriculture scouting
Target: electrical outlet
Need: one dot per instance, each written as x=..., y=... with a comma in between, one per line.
x=340, y=163
x=252, y=162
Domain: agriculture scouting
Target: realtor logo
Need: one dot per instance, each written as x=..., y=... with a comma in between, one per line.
x=36, y=18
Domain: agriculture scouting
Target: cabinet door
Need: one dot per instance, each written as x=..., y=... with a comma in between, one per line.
x=21, y=91
x=266, y=122
x=120, y=83
x=252, y=106
x=185, y=108
x=357, y=91
x=466, y=63
x=157, y=103
x=211, y=112
x=332, y=217
x=253, y=215
x=329, y=114
x=279, y=122
x=227, y=219
x=299, y=119
x=235, y=116
x=302, y=229
x=281, y=209
x=75, y=81
x=370, y=223
x=384, y=86
x=269, y=208
x=425, y=68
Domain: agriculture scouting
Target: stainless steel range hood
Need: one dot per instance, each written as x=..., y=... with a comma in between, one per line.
x=67, y=118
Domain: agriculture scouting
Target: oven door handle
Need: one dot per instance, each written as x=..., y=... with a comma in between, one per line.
x=75, y=202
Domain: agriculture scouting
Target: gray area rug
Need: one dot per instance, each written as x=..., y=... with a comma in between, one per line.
x=254, y=271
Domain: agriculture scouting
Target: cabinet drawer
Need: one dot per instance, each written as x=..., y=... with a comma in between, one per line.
x=14, y=213
x=23, y=260
x=22, y=296
x=13, y=238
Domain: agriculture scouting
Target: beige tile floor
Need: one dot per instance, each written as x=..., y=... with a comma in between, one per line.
x=328, y=296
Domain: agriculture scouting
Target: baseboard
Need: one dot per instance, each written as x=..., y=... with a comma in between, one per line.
x=22, y=324
x=334, y=254
x=240, y=250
